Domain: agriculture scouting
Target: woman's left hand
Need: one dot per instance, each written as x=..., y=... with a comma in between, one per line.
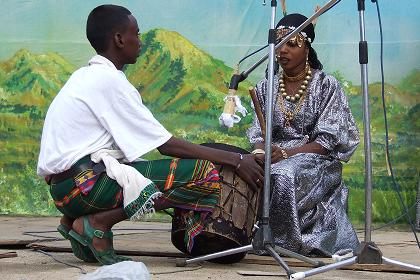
x=276, y=154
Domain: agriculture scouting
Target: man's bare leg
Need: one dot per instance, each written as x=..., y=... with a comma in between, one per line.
x=67, y=221
x=106, y=220
x=160, y=204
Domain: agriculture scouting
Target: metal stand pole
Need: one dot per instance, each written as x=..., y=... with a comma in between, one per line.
x=367, y=252
x=263, y=240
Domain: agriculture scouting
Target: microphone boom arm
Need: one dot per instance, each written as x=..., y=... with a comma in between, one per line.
x=288, y=36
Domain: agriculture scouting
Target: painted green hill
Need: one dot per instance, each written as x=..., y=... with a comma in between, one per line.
x=184, y=87
x=181, y=84
x=28, y=82
x=411, y=84
x=33, y=80
x=402, y=114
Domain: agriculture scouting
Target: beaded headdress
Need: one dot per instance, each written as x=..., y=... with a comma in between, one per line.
x=289, y=23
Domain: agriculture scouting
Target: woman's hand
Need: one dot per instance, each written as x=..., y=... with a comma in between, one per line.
x=276, y=154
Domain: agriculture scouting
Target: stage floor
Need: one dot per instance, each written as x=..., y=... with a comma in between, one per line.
x=149, y=242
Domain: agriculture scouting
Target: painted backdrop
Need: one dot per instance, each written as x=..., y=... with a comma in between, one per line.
x=190, y=48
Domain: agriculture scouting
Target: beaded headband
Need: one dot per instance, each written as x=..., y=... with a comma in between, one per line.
x=298, y=39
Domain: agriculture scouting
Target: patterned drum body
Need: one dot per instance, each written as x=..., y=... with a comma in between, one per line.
x=231, y=224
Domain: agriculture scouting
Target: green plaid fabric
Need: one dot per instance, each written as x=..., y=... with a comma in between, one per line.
x=187, y=184
x=187, y=189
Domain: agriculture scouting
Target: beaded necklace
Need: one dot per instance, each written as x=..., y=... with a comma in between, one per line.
x=298, y=97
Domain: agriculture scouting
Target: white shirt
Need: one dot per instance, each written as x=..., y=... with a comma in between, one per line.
x=98, y=108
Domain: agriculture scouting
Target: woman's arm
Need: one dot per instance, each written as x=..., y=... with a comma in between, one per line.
x=278, y=153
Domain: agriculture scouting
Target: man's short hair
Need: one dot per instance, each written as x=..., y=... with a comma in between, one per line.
x=103, y=22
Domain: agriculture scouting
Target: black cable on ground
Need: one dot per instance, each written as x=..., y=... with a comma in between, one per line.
x=82, y=270
x=50, y=238
x=35, y=234
x=177, y=270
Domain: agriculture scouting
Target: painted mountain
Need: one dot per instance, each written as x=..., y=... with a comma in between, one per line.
x=28, y=83
x=184, y=88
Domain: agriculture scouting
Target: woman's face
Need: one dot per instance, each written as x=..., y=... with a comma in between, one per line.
x=292, y=57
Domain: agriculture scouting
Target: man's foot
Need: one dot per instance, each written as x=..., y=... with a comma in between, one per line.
x=80, y=251
x=98, y=237
x=100, y=244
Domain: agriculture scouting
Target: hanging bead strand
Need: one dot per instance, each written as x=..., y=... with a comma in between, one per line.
x=298, y=97
x=307, y=73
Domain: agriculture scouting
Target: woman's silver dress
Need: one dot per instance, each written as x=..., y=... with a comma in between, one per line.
x=309, y=200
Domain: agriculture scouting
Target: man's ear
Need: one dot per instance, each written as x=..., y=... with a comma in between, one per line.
x=118, y=40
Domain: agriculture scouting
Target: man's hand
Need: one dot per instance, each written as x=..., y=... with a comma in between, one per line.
x=250, y=171
x=247, y=168
x=260, y=158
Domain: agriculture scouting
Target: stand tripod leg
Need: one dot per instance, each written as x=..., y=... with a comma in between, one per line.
x=301, y=275
x=278, y=259
x=401, y=264
x=288, y=253
x=184, y=262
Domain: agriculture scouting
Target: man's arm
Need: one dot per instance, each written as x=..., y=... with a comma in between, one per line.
x=248, y=169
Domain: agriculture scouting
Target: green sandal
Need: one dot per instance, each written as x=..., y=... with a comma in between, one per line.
x=106, y=257
x=81, y=252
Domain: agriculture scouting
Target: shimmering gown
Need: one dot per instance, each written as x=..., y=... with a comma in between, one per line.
x=309, y=200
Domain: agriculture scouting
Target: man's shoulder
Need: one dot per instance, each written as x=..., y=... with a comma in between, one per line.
x=99, y=74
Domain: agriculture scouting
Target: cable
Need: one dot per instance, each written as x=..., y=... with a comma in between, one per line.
x=35, y=234
x=396, y=186
x=82, y=270
x=50, y=238
x=178, y=270
x=394, y=221
x=251, y=54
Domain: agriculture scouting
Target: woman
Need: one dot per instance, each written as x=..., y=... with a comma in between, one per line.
x=313, y=130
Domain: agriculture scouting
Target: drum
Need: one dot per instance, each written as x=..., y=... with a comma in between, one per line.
x=231, y=224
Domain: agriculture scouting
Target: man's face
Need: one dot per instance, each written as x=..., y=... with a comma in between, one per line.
x=132, y=43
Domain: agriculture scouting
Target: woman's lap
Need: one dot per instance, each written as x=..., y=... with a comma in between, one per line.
x=307, y=208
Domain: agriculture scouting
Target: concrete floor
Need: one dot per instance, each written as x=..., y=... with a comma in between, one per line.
x=154, y=238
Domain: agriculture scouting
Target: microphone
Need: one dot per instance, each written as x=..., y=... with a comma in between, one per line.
x=232, y=102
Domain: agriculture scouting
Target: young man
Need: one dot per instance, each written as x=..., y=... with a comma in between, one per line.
x=97, y=118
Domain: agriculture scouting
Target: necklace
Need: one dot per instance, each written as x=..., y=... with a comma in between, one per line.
x=303, y=87
x=298, y=77
x=300, y=96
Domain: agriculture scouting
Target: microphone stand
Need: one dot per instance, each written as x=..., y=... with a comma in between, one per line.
x=367, y=252
x=263, y=239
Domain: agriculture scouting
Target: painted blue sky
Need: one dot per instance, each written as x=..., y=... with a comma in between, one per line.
x=226, y=29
